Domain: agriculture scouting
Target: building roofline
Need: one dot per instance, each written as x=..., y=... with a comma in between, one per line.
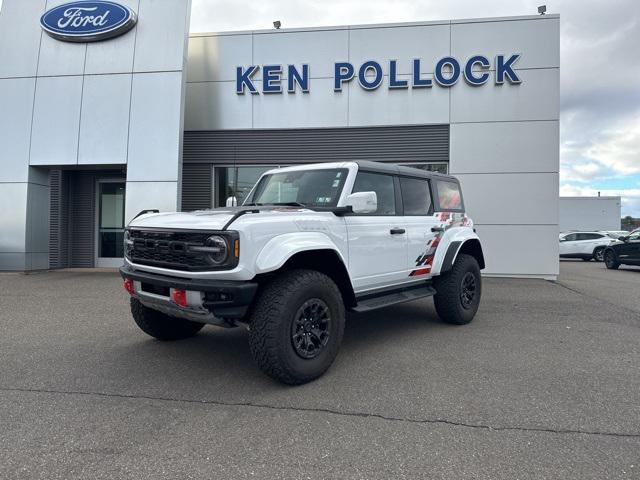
x=602, y=197
x=273, y=31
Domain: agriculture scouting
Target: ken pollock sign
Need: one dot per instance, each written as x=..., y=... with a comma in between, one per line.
x=476, y=71
x=88, y=21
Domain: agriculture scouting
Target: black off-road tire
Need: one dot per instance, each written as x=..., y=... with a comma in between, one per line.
x=598, y=254
x=161, y=326
x=274, y=316
x=610, y=260
x=448, y=300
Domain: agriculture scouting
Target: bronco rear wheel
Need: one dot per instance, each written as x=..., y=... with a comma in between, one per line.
x=296, y=326
x=458, y=291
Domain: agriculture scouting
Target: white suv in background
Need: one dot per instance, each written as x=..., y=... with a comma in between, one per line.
x=584, y=245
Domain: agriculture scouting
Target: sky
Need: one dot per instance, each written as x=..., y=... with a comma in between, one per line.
x=599, y=70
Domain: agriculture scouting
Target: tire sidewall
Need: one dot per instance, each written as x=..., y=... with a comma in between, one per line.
x=610, y=260
x=295, y=299
x=472, y=267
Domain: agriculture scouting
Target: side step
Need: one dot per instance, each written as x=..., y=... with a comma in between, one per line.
x=384, y=299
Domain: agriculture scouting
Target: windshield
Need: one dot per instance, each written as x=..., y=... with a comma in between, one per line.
x=308, y=188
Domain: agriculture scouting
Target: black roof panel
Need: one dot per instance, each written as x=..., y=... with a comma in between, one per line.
x=400, y=170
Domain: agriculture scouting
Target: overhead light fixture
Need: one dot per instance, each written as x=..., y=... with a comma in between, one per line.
x=542, y=9
x=277, y=24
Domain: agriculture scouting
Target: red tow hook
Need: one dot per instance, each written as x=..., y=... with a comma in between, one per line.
x=179, y=297
x=128, y=286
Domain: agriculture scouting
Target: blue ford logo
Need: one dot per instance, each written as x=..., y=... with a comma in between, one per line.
x=87, y=21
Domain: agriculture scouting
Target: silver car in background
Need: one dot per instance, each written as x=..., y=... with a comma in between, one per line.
x=584, y=245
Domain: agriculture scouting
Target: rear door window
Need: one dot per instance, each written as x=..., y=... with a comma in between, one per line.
x=449, y=196
x=416, y=197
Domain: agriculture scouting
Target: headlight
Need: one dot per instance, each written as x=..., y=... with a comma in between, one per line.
x=216, y=249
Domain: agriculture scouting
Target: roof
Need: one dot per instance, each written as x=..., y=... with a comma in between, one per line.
x=273, y=31
x=400, y=170
x=369, y=166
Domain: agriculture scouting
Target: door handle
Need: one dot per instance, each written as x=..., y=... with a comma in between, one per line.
x=437, y=229
x=396, y=231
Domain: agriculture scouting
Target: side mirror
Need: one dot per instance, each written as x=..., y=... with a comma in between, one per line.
x=232, y=202
x=363, y=202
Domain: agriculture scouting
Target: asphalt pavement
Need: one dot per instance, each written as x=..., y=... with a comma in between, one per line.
x=545, y=383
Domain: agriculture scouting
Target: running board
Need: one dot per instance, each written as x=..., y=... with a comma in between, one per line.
x=371, y=302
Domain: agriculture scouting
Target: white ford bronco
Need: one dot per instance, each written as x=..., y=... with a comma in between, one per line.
x=309, y=243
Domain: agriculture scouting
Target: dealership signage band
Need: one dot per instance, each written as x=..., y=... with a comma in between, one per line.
x=88, y=21
x=447, y=72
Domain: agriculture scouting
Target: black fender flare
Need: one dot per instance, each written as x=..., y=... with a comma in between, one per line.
x=455, y=247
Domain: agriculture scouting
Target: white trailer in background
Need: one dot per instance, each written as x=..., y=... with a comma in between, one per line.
x=589, y=213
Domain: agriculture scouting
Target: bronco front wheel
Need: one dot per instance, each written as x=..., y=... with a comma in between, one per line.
x=161, y=326
x=296, y=326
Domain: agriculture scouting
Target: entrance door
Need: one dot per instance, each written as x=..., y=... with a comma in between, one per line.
x=110, y=223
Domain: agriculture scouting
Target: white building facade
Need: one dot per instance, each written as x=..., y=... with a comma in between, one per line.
x=590, y=213
x=155, y=119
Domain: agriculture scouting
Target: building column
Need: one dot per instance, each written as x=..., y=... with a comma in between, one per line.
x=24, y=216
x=24, y=190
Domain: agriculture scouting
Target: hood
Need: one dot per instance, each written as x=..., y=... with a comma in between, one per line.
x=213, y=219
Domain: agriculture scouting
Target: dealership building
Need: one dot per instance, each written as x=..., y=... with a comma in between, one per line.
x=157, y=118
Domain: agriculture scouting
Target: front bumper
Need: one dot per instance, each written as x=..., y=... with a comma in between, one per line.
x=209, y=301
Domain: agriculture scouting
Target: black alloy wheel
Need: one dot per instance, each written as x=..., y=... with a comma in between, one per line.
x=468, y=290
x=310, y=329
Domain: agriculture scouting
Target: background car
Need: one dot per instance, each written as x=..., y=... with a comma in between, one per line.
x=615, y=233
x=584, y=245
x=624, y=251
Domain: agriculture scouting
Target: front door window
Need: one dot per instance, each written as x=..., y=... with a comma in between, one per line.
x=110, y=221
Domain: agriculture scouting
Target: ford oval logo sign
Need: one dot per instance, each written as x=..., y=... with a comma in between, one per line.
x=87, y=21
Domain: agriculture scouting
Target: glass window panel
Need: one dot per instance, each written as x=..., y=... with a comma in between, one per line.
x=415, y=196
x=384, y=188
x=111, y=219
x=112, y=205
x=236, y=182
x=319, y=188
x=111, y=244
x=449, y=197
